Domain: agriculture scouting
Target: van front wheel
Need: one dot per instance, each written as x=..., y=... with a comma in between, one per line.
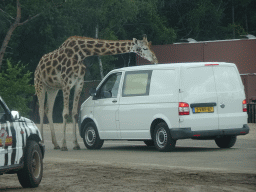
x=226, y=141
x=91, y=137
x=162, y=138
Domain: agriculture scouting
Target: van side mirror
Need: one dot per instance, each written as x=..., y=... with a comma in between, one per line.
x=15, y=115
x=92, y=92
x=107, y=94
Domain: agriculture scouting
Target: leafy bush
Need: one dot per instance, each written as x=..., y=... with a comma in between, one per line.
x=15, y=87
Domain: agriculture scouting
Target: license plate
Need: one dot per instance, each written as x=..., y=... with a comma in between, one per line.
x=203, y=110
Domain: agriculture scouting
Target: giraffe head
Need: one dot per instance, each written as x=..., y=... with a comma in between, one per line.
x=143, y=49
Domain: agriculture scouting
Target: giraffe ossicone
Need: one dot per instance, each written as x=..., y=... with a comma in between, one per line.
x=64, y=69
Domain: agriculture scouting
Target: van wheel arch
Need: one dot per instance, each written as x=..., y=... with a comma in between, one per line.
x=153, y=126
x=85, y=121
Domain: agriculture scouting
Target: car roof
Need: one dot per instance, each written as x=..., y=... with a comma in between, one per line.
x=169, y=66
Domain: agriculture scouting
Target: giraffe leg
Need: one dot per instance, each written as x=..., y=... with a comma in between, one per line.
x=65, y=114
x=51, y=95
x=40, y=92
x=78, y=90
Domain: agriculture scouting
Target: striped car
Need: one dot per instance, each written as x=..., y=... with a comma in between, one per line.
x=21, y=150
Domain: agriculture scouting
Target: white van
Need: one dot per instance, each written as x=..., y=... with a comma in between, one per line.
x=159, y=104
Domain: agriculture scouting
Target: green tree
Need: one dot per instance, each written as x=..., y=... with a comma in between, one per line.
x=16, y=89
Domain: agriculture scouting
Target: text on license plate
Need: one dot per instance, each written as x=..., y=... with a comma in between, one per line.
x=203, y=110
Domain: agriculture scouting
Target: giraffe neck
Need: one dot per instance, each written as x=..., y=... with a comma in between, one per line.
x=81, y=47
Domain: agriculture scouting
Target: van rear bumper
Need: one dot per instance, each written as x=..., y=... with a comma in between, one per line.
x=186, y=133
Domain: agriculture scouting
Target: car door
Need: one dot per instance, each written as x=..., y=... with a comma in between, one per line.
x=199, y=91
x=106, y=103
x=230, y=97
x=8, y=138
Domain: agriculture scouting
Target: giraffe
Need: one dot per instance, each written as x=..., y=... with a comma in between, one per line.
x=63, y=69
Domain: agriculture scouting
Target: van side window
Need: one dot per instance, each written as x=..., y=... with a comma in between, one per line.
x=109, y=89
x=136, y=83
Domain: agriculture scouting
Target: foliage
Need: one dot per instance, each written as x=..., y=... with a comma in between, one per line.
x=164, y=22
x=15, y=87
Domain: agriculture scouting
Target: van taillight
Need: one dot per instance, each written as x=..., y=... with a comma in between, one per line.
x=244, y=106
x=183, y=108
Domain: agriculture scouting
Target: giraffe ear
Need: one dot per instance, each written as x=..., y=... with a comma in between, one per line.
x=135, y=41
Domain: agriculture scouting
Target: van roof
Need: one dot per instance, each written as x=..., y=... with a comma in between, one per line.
x=170, y=65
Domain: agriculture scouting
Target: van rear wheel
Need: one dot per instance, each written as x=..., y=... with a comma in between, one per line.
x=162, y=138
x=226, y=141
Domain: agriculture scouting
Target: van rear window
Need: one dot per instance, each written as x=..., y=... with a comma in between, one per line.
x=136, y=83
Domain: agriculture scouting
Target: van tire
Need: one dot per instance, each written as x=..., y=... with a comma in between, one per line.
x=162, y=138
x=31, y=174
x=149, y=143
x=226, y=141
x=91, y=136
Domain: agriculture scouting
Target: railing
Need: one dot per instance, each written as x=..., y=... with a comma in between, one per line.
x=251, y=111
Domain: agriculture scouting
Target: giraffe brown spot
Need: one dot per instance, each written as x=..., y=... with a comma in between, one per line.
x=53, y=72
x=64, y=61
x=80, y=42
x=69, y=70
x=48, y=70
x=123, y=44
x=51, y=56
x=103, y=50
x=111, y=43
x=75, y=58
x=69, y=52
x=48, y=63
x=76, y=48
x=99, y=45
x=41, y=61
x=70, y=82
x=63, y=75
x=66, y=116
x=118, y=50
x=82, y=71
x=68, y=63
x=112, y=47
x=55, y=78
x=117, y=44
x=90, y=46
x=91, y=42
x=76, y=68
x=74, y=61
x=42, y=67
x=82, y=46
x=55, y=55
x=123, y=49
x=58, y=68
x=50, y=80
x=63, y=69
x=81, y=54
x=107, y=45
x=46, y=60
x=97, y=50
x=129, y=43
x=72, y=44
x=61, y=57
x=61, y=51
x=87, y=52
x=54, y=63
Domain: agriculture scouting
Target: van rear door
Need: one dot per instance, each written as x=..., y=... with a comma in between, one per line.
x=230, y=92
x=197, y=88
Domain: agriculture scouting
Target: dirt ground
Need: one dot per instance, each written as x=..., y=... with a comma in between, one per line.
x=89, y=176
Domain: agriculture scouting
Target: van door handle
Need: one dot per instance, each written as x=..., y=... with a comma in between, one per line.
x=114, y=101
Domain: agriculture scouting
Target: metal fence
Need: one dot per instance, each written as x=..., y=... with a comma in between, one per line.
x=251, y=110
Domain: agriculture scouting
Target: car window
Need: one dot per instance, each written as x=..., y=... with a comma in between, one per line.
x=136, y=83
x=2, y=113
x=111, y=86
